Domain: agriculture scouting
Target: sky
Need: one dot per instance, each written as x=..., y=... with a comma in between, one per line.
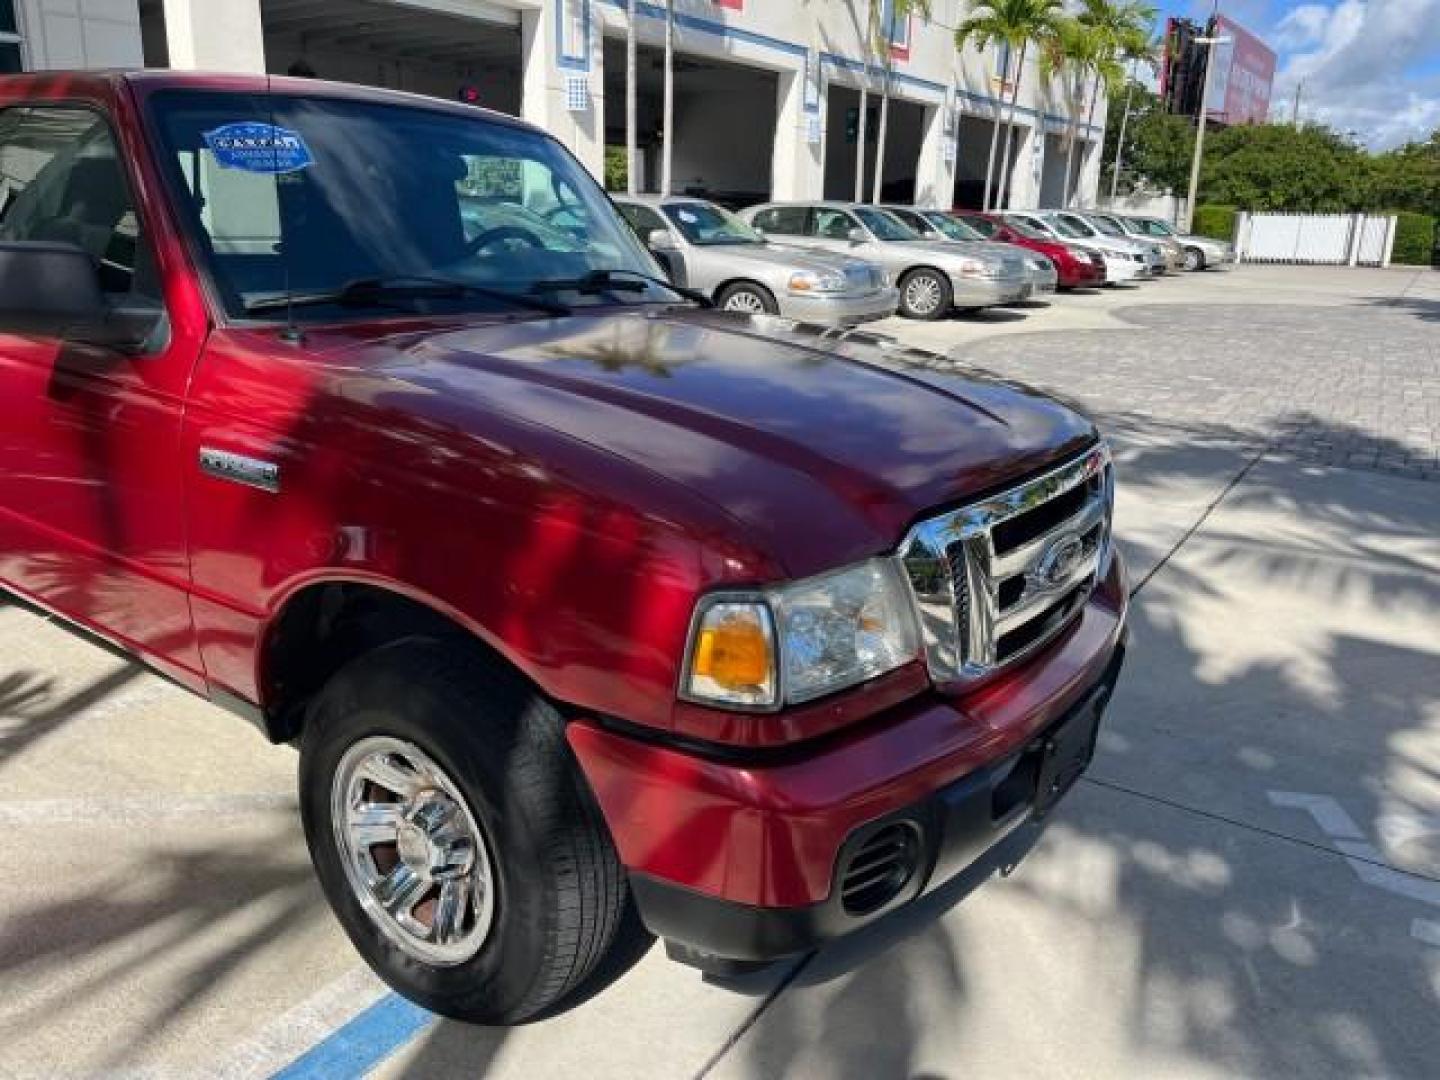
x=1368, y=67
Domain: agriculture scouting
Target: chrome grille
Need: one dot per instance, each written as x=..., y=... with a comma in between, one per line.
x=996, y=580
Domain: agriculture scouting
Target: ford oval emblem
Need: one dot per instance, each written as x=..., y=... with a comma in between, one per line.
x=1061, y=557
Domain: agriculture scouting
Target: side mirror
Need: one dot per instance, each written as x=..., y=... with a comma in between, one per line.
x=53, y=290
x=856, y=236
x=661, y=240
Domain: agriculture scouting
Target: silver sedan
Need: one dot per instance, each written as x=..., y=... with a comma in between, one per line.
x=938, y=225
x=934, y=277
x=705, y=247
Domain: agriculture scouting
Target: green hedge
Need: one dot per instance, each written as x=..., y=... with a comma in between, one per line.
x=1414, y=238
x=1215, y=220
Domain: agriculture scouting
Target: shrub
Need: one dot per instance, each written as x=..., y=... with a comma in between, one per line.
x=616, y=169
x=1215, y=221
x=1414, y=238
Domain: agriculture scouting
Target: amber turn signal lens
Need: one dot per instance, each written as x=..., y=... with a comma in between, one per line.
x=733, y=659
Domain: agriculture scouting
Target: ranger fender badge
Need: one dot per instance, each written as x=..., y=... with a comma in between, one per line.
x=239, y=469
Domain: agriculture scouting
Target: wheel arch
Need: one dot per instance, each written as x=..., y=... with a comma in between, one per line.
x=750, y=283
x=322, y=623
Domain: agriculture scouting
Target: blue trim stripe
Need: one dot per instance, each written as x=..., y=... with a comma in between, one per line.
x=711, y=26
x=735, y=33
x=363, y=1043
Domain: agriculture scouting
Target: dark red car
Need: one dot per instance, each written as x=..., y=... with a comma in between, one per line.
x=1074, y=268
x=366, y=416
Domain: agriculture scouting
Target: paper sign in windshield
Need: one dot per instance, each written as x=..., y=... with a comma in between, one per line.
x=258, y=148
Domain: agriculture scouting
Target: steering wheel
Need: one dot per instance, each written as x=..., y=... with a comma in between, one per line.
x=484, y=239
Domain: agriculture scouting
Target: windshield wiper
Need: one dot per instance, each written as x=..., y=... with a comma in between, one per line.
x=598, y=281
x=377, y=291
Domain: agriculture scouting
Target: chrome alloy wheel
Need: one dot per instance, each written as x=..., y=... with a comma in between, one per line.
x=412, y=851
x=745, y=301
x=922, y=294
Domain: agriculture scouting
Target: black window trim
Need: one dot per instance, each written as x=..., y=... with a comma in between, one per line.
x=137, y=207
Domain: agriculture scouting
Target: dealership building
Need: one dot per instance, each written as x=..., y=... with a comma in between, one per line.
x=766, y=91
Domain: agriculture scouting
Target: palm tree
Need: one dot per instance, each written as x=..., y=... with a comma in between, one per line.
x=668, y=115
x=871, y=18
x=1114, y=29
x=631, y=180
x=882, y=35
x=1150, y=54
x=1013, y=24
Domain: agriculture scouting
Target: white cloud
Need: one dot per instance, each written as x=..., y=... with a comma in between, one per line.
x=1361, y=63
x=1301, y=27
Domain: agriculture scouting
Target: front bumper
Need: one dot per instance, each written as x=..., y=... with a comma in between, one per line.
x=1122, y=270
x=975, y=292
x=956, y=825
x=741, y=856
x=840, y=310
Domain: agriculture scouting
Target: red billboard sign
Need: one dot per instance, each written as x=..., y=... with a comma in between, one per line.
x=1244, y=72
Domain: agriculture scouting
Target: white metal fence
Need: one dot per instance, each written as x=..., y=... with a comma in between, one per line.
x=1315, y=239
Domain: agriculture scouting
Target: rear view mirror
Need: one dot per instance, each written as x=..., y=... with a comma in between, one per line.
x=856, y=236
x=53, y=290
x=660, y=240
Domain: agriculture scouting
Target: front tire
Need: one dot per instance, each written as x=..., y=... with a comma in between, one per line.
x=925, y=294
x=1194, y=259
x=746, y=298
x=453, y=833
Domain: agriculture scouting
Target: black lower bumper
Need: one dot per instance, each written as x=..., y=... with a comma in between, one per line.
x=955, y=826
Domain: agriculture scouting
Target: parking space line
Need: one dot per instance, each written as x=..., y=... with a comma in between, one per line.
x=363, y=1043
x=292, y=1034
x=141, y=809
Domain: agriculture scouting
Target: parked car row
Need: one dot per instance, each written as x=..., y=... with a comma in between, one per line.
x=841, y=263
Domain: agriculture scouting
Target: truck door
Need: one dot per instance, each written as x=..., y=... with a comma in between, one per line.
x=90, y=476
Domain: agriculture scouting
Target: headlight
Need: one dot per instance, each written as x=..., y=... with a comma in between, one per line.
x=797, y=642
x=808, y=281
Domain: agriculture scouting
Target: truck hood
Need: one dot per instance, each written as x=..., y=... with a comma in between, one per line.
x=822, y=449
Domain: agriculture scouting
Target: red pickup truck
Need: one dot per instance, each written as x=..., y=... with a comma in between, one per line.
x=367, y=417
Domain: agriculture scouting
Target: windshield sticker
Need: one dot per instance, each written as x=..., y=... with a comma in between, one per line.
x=687, y=216
x=258, y=148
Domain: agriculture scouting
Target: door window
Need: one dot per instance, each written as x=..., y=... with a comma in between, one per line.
x=782, y=220
x=642, y=219
x=914, y=220
x=61, y=181
x=831, y=224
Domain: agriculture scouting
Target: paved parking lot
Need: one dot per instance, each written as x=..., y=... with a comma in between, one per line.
x=1248, y=881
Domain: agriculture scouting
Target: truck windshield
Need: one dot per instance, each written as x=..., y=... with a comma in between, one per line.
x=307, y=195
x=706, y=225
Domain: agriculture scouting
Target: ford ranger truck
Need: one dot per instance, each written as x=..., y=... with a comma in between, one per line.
x=367, y=417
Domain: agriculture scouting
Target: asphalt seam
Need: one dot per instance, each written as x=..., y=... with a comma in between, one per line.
x=1110, y=785
x=754, y=1017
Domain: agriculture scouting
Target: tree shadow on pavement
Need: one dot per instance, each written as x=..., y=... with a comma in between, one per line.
x=1178, y=914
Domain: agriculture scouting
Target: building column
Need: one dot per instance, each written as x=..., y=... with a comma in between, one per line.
x=215, y=35
x=797, y=164
x=1087, y=188
x=563, y=76
x=1029, y=161
x=935, y=172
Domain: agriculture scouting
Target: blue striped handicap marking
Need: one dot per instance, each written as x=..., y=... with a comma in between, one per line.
x=367, y=1040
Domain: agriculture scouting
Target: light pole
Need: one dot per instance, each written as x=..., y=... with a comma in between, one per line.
x=1209, y=44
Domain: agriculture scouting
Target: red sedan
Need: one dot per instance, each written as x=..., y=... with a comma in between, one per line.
x=1074, y=268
